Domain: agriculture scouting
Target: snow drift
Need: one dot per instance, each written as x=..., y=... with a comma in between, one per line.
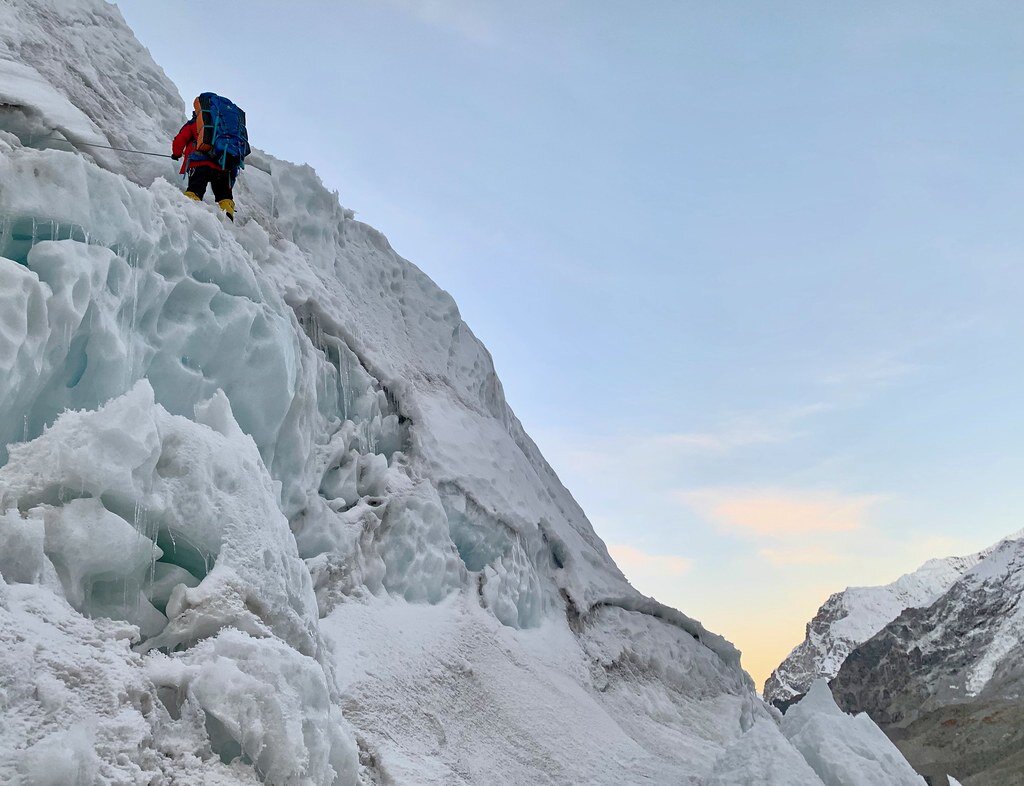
x=265, y=515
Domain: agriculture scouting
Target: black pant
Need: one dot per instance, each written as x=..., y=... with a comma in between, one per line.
x=202, y=176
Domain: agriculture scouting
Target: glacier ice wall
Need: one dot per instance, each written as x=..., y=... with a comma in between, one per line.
x=330, y=348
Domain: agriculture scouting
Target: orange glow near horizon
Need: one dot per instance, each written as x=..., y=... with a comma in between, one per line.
x=766, y=625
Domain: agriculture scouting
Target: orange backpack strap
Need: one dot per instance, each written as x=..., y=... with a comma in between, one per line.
x=204, y=131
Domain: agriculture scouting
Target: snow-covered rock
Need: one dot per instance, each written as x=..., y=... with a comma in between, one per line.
x=946, y=681
x=851, y=617
x=932, y=658
x=265, y=515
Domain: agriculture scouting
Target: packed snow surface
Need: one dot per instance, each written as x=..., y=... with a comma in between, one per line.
x=265, y=515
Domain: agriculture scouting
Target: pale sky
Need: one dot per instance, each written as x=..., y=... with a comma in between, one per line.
x=750, y=272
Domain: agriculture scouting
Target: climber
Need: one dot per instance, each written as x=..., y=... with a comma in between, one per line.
x=214, y=144
x=203, y=171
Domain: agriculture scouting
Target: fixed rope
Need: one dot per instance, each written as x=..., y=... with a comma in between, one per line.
x=105, y=147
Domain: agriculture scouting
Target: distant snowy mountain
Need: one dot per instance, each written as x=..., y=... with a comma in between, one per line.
x=946, y=681
x=853, y=616
x=265, y=514
x=934, y=659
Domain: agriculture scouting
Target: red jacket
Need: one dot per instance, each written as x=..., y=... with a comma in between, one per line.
x=184, y=145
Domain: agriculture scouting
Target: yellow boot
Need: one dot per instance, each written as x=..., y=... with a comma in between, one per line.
x=228, y=206
x=192, y=195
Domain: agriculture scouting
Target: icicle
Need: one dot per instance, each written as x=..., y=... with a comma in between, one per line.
x=174, y=544
x=134, y=317
x=343, y=383
x=87, y=605
x=5, y=234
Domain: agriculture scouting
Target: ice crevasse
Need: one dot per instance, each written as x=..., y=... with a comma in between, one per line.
x=265, y=514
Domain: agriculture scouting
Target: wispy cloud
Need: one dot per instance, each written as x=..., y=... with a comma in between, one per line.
x=723, y=441
x=610, y=453
x=783, y=556
x=635, y=562
x=779, y=512
x=869, y=373
x=841, y=387
x=744, y=430
x=466, y=19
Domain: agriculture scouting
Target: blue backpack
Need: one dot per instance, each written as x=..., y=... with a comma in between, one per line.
x=220, y=131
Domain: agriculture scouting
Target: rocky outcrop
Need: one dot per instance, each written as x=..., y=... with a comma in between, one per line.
x=945, y=681
x=851, y=617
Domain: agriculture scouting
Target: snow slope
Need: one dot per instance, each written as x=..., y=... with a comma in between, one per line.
x=265, y=515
